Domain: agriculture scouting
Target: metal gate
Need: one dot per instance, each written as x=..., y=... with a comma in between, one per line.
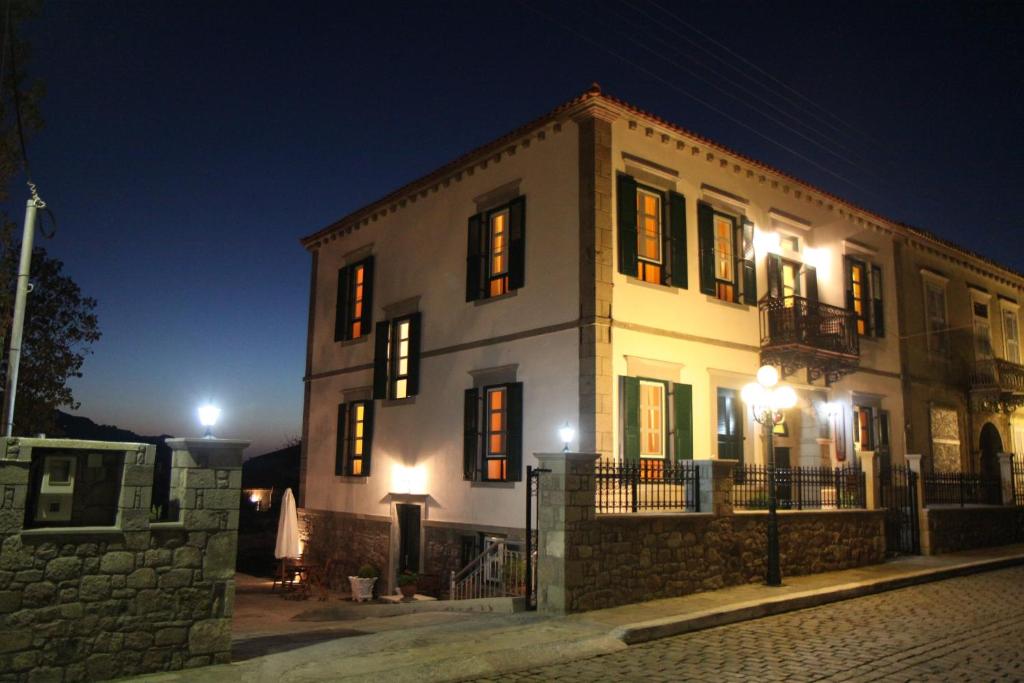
x=532, y=490
x=898, y=488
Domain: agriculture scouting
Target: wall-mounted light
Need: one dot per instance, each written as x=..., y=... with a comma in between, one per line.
x=208, y=416
x=566, y=434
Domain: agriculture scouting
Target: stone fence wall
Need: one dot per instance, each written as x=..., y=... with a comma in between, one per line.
x=589, y=561
x=93, y=603
x=948, y=529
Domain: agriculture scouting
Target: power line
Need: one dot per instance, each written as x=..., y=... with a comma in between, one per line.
x=699, y=100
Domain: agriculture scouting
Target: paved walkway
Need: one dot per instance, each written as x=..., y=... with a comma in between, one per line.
x=962, y=629
x=446, y=647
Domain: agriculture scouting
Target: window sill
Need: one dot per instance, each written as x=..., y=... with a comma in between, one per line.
x=353, y=342
x=730, y=304
x=653, y=285
x=492, y=484
x=491, y=299
x=392, y=402
x=352, y=478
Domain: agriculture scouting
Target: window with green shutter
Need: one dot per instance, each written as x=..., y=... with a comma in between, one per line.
x=354, y=303
x=727, y=263
x=493, y=433
x=651, y=233
x=864, y=296
x=730, y=425
x=354, y=439
x=496, y=251
x=657, y=421
x=396, y=362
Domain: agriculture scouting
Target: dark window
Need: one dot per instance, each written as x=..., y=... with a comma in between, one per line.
x=727, y=269
x=496, y=253
x=354, y=439
x=354, y=307
x=730, y=425
x=397, y=358
x=652, y=233
x=493, y=433
x=73, y=488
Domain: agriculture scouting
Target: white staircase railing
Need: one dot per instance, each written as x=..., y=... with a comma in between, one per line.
x=497, y=572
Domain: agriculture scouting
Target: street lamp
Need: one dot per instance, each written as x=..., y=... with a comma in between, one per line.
x=566, y=434
x=767, y=403
x=208, y=415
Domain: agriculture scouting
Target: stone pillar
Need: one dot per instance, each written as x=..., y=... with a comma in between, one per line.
x=1006, y=474
x=716, y=485
x=914, y=461
x=872, y=494
x=565, y=505
x=206, y=482
x=14, y=466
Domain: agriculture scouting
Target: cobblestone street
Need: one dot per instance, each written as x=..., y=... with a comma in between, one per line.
x=964, y=629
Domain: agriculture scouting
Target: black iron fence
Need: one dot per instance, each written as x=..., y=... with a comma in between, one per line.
x=799, y=488
x=651, y=485
x=1018, y=480
x=961, y=488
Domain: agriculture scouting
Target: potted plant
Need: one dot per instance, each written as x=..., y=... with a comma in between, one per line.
x=362, y=583
x=407, y=584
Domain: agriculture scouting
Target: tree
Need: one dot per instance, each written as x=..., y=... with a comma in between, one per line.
x=60, y=327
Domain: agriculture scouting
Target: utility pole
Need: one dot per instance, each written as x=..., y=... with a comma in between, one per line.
x=20, y=300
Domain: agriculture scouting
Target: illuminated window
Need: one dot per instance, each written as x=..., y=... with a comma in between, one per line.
x=726, y=242
x=858, y=293
x=353, y=312
x=355, y=423
x=864, y=297
x=495, y=263
x=863, y=428
x=396, y=360
x=652, y=420
x=493, y=433
x=1011, y=335
x=725, y=256
x=649, y=235
x=495, y=468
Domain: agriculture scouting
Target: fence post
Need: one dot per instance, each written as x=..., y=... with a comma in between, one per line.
x=1006, y=475
x=869, y=466
x=565, y=508
x=914, y=462
x=719, y=481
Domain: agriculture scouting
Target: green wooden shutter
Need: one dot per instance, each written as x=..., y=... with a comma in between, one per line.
x=514, y=439
x=366, y=319
x=367, y=436
x=774, y=263
x=471, y=435
x=339, y=446
x=682, y=398
x=749, y=266
x=380, y=359
x=517, y=243
x=627, y=224
x=341, y=321
x=677, y=228
x=811, y=284
x=706, y=247
x=476, y=256
x=415, y=334
x=877, y=309
x=630, y=400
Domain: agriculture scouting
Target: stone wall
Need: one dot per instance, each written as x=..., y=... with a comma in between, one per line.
x=94, y=603
x=350, y=541
x=949, y=529
x=621, y=559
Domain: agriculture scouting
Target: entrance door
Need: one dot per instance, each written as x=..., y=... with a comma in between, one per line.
x=783, y=478
x=408, y=538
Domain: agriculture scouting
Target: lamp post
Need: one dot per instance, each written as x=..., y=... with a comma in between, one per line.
x=767, y=403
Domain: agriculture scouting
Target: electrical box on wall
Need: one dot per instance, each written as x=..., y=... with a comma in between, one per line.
x=57, y=489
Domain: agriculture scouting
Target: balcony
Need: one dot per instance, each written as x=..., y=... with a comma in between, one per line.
x=799, y=333
x=997, y=385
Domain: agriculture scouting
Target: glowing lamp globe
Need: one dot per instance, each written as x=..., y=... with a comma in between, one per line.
x=754, y=394
x=208, y=415
x=783, y=398
x=566, y=434
x=767, y=376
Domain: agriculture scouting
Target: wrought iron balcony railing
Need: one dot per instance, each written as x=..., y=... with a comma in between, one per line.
x=995, y=373
x=798, y=332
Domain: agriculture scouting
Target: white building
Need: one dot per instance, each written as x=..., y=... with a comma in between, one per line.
x=597, y=266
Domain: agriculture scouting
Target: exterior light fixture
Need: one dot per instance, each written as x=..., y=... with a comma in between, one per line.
x=566, y=434
x=768, y=403
x=208, y=415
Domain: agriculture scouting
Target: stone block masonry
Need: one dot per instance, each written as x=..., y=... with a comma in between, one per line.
x=348, y=541
x=94, y=603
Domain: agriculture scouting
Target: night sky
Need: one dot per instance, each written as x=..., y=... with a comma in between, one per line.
x=188, y=146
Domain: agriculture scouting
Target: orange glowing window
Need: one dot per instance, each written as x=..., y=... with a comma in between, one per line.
x=497, y=253
x=725, y=249
x=357, y=301
x=648, y=223
x=858, y=295
x=496, y=410
x=652, y=419
x=398, y=358
x=358, y=448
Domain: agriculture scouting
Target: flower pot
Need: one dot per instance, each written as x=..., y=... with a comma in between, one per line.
x=362, y=589
x=408, y=590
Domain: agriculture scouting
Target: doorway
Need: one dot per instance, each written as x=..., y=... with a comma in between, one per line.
x=408, y=537
x=991, y=446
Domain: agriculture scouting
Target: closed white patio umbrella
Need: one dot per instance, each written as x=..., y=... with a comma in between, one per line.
x=287, y=545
